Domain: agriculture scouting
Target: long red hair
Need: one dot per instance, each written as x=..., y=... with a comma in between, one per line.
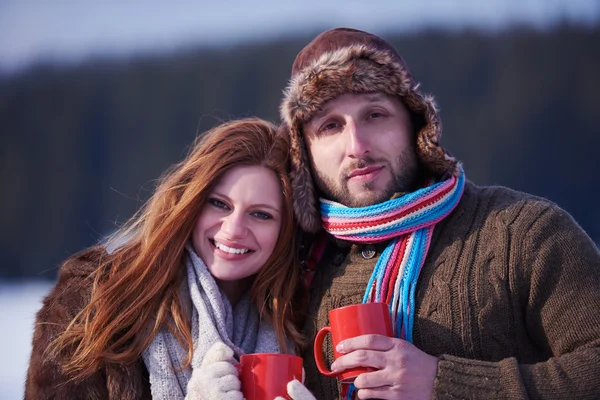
x=136, y=287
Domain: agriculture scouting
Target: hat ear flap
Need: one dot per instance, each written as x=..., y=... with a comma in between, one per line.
x=433, y=156
x=304, y=199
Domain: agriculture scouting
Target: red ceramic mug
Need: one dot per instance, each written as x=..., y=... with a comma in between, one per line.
x=265, y=376
x=348, y=322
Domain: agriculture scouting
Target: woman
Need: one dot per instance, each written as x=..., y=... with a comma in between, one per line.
x=206, y=268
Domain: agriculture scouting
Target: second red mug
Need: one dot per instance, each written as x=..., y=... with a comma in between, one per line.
x=348, y=322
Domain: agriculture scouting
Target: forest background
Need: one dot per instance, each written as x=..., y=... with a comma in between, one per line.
x=82, y=143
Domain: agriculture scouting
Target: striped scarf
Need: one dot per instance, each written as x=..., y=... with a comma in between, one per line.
x=409, y=221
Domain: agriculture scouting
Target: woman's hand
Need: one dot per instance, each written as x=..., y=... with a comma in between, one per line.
x=217, y=378
x=297, y=391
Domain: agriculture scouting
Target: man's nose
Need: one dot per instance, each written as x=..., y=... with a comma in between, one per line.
x=357, y=144
x=234, y=226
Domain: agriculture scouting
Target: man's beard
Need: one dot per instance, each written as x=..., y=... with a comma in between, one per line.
x=405, y=175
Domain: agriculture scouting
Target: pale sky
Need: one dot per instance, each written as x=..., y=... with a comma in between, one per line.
x=70, y=30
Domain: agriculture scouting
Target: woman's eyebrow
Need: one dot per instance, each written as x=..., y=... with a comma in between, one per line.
x=264, y=205
x=259, y=205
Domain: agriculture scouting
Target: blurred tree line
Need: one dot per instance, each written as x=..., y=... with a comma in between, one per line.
x=81, y=146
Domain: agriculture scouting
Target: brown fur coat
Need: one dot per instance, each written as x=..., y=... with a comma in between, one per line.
x=45, y=379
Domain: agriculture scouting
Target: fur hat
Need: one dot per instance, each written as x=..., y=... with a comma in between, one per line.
x=342, y=61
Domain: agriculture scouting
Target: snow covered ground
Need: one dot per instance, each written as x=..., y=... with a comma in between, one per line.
x=18, y=304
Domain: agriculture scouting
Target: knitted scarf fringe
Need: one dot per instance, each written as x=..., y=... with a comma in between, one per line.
x=409, y=222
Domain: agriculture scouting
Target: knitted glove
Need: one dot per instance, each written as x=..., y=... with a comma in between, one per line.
x=217, y=377
x=297, y=391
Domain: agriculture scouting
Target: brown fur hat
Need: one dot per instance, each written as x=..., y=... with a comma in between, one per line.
x=342, y=61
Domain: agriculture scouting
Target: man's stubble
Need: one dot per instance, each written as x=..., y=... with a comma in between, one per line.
x=405, y=175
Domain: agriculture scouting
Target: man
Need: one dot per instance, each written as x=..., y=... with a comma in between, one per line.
x=494, y=293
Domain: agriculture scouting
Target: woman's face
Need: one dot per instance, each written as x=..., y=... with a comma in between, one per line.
x=238, y=226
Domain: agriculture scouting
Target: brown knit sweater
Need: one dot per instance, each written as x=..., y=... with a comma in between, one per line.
x=508, y=299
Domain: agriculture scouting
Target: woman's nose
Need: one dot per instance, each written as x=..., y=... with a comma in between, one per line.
x=234, y=225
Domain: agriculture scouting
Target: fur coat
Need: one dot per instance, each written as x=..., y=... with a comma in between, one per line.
x=45, y=379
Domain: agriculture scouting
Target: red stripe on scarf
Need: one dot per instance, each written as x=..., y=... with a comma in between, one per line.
x=396, y=270
x=349, y=224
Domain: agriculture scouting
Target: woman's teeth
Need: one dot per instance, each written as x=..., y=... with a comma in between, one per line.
x=230, y=250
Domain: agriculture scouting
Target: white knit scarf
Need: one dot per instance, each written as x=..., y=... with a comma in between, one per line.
x=213, y=319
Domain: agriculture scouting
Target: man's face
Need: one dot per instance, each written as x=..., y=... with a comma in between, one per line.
x=361, y=148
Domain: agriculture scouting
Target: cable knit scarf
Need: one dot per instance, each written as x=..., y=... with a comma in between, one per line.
x=213, y=319
x=409, y=221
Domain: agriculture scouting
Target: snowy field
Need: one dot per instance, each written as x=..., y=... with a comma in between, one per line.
x=18, y=304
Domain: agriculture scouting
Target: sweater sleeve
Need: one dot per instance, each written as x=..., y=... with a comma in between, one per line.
x=560, y=293
x=45, y=379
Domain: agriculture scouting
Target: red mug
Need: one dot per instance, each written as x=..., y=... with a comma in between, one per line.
x=348, y=322
x=265, y=376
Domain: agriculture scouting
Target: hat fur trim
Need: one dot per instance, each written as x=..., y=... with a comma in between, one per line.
x=353, y=69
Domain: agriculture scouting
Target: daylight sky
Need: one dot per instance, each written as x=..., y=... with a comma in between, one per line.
x=70, y=30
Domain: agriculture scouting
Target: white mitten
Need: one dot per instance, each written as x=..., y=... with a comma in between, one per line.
x=217, y=377
x=297, y=391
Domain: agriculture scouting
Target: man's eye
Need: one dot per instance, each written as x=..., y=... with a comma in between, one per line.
x=218, y=203
x=262, y=215
x=330, y=126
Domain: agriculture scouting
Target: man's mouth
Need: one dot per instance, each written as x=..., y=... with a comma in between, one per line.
x=365, y=173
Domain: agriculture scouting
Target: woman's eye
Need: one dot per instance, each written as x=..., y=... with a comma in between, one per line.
x=218, y=203
x=375, y=115
x=262, y=215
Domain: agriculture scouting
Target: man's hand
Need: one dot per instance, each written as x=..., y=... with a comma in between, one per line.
x=404, y=371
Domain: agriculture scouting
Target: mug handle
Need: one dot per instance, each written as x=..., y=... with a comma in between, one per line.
x=318, y=351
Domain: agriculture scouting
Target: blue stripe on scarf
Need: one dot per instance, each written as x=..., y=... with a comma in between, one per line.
x=437, y=211
x=333, y=210
x=416, y=253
